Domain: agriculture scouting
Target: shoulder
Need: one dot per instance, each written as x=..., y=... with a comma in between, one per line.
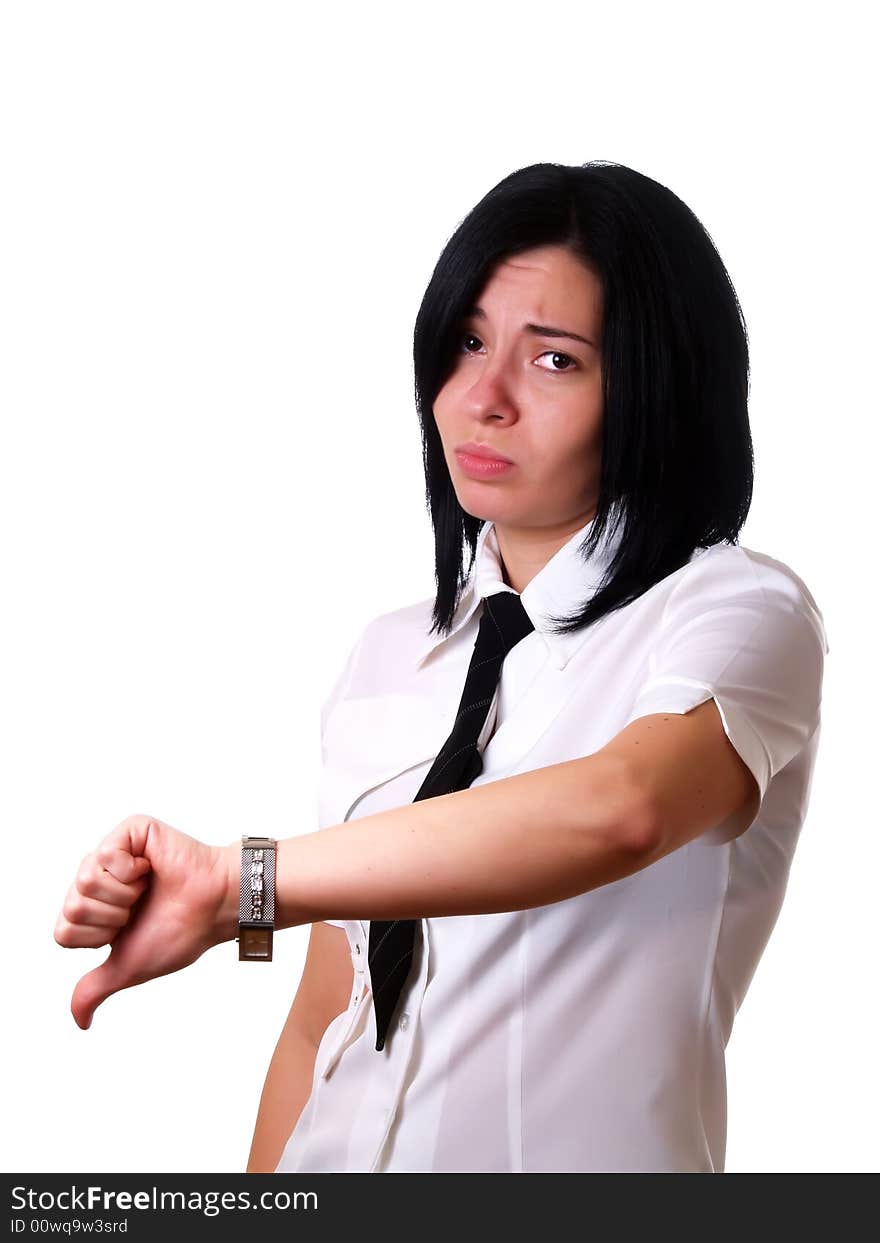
x=389, y=648
x=736, y=578
x=403, y=630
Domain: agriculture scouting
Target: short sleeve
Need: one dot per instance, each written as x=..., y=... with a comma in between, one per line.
x=748, y=634
x=337, y=692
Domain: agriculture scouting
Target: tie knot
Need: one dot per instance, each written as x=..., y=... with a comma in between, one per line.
x=504, y=621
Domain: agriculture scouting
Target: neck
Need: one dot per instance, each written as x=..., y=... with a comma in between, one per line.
x=526, y=550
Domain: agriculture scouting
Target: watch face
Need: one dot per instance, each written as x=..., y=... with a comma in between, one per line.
x=255, y=943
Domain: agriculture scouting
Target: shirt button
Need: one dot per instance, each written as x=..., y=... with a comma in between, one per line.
x=404, y=1021
x=357, y=948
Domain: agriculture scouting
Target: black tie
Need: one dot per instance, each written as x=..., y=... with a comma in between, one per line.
x=503, y=623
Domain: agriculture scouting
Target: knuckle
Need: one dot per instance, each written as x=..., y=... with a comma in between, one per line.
x=85, y=877
x=73, y=909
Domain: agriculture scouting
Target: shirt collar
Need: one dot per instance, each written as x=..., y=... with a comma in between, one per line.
x=560, y=588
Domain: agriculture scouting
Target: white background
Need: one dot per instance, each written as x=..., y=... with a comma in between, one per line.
x=218, y=221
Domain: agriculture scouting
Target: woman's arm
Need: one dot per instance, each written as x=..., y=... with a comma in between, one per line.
x=524, y=841
x=163, y=898
x=323, y=993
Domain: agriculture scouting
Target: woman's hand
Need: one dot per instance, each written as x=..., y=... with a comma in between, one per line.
x=158, y=898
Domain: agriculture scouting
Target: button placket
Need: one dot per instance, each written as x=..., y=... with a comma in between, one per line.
x=352, y=1031
x=357, y=959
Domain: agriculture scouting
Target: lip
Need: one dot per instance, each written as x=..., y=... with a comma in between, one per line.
x=472, y=449
x=479, y=462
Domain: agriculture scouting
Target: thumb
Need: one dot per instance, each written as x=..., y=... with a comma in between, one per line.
x=94, y=988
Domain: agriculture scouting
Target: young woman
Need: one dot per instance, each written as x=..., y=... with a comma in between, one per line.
x=587, y=913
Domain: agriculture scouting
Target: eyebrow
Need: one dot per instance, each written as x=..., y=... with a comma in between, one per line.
x=538, y=330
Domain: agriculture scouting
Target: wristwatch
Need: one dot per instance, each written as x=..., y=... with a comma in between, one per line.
x=256, y=915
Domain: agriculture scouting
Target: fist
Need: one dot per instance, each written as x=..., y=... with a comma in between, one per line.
x=158, y=898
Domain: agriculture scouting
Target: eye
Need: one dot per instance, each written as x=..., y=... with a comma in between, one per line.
x=468, y=336
x=554, y=354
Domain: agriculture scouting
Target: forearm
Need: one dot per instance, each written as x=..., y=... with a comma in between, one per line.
x=285, y=1092
x=525, y=841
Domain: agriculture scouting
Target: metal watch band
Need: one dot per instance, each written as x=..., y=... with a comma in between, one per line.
x=256, y=915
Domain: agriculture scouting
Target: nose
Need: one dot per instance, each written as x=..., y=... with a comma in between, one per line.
x=490, y=395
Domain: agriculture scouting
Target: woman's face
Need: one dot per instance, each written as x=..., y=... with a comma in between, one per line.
x=533, y=396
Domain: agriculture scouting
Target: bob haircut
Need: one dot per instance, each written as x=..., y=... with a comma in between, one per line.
x=677, y=463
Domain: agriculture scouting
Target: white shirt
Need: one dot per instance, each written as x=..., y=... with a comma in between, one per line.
x=587, y=1035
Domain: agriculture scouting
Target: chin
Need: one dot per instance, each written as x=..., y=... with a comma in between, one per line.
x=484, y=509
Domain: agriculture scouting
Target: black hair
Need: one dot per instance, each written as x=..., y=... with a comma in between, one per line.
x=677, y=463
